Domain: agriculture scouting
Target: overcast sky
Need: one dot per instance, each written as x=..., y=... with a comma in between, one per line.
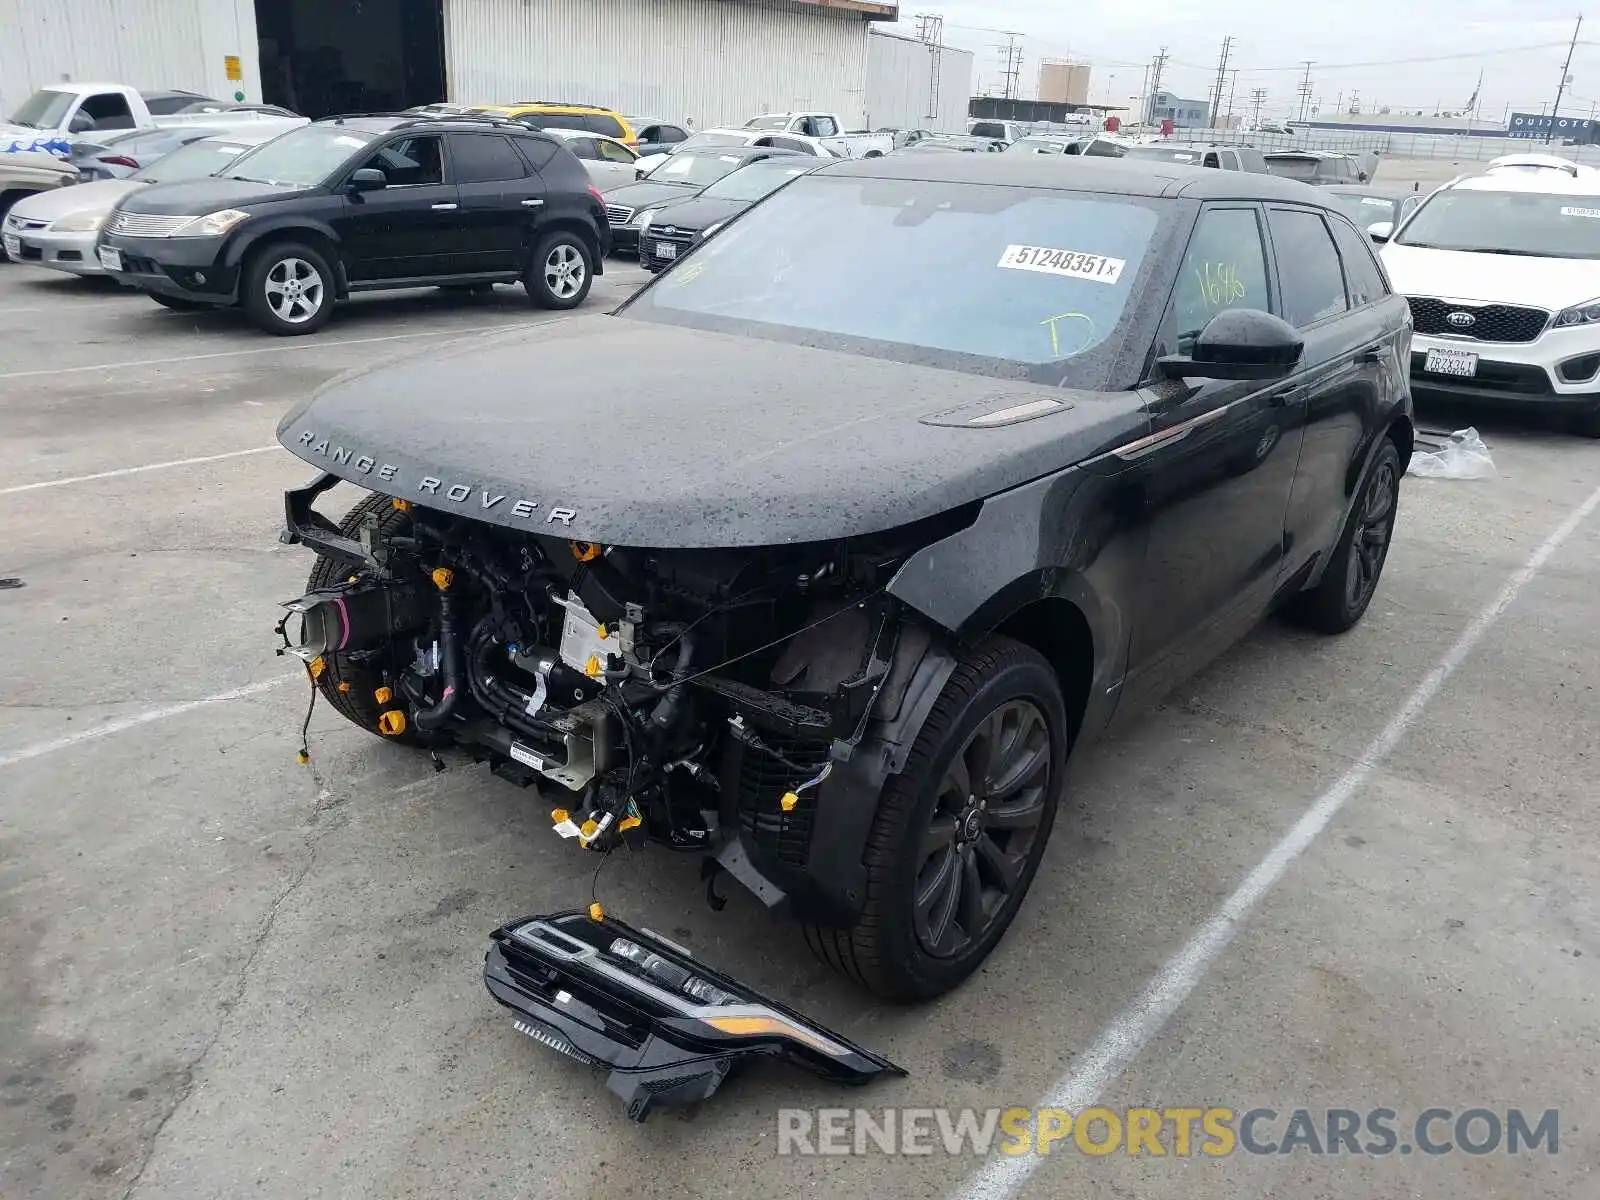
x=1272, y=40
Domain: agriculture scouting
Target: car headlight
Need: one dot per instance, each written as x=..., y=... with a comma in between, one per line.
x=645, y=218
x=82, y=222
x=1587, y=313
x=212, y=224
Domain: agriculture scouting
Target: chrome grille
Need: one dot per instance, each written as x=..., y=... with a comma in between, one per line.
x=146, y=224
x=618, y=214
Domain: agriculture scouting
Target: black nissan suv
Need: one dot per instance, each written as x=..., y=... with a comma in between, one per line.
x=362, y=204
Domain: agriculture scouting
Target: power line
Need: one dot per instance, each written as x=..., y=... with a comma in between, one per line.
x=1013, y=68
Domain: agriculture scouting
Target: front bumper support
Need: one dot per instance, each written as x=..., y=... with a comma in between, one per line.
x=669, y=1028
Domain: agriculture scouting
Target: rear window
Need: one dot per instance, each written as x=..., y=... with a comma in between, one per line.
x=1303, y=169
x=999, y=280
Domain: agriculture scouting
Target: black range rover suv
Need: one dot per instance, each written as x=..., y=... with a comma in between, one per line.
x=361, y=204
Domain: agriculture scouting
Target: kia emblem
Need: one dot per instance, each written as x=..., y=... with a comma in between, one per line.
x=1462, y=320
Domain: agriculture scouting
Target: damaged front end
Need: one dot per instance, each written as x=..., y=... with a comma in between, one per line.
x=745, y=704
x=668, y=1028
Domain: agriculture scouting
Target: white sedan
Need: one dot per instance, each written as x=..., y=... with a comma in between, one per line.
x=610, y=163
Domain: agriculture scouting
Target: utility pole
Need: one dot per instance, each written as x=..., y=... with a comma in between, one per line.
x=1305, y=91
x=1156, y=69
x=1555, y=112
x=1233, y=83
x=1222, y=76
x=930, y=31
x=1013, y=68
x=1258, y=97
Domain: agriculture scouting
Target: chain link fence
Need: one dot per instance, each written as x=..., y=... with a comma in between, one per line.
x=1462, y=148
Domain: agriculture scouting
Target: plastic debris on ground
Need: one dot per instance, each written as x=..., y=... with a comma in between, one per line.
x=1458, y=455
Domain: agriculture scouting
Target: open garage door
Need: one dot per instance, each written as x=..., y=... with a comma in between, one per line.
x=321, y=57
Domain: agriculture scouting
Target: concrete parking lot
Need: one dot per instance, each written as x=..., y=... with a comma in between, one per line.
x=1356, y=873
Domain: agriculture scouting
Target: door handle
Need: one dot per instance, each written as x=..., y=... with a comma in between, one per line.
x=532, y=202
x=1369, y=356
x=1289, y=395
x=446, y=206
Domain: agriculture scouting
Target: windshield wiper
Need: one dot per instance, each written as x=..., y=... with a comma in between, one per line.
x=1503, y=250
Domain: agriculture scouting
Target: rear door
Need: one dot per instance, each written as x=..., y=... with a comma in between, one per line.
x=613, y=165
x=1335, y=293
x=412, y=227
x=500, y=201
x=1216, y=469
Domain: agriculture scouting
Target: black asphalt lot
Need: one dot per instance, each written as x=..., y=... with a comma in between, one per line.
x=226, y=974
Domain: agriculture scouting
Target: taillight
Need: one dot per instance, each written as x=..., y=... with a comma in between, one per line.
x=595, y=192
x=120, y=160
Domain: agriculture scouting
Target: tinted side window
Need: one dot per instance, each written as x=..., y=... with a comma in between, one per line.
x=109, y=110
x=583, y=148
x=1308, y=267
x=783, y=143
x=670, y=133
x=1224, y=267
x=483, y=158
x=1361, y=269
x=411, y=161
x=613, y=152
x=600, y=123
x=537, y=150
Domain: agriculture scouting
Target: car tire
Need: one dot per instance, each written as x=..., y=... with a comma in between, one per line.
x=179, y=303
x=350, y=687
x=1356, y=563
x=999, y=687
x=287, y=289
x=560, y=272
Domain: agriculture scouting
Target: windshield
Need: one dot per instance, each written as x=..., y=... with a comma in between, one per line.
x=696, y=169
x=1366, y=210
x=754, y=181
x=773, y=122
x=711, y=139
x=44, y=109
x=301, y=158
x=998, y=280
x=1528, y=223
x=1172, y=154
x=1303, y=169
x=1038, y=146
x=194, y=161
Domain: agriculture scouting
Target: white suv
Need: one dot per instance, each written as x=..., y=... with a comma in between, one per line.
x=1502, y=271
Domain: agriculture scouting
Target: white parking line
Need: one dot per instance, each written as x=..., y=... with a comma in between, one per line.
x=122, y=724
x=160, y=466
x=1132, y=1029
x=279, y=346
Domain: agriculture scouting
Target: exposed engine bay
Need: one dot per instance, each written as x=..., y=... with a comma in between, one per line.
x=694, y=699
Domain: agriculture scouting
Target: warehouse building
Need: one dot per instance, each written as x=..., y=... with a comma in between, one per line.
x=709, y=61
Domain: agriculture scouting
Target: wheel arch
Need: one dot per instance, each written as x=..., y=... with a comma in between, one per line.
x=1058, y=629
x=575, y=225
x=314, y=234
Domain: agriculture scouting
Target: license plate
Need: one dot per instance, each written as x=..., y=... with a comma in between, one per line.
x=1451, y=362
x=110, y=259
x=13, y=245
x=666, y=250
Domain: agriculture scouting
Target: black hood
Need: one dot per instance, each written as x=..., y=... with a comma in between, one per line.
x=697, y=212
x=721, y=441
x=646, y=193
x=201, y=196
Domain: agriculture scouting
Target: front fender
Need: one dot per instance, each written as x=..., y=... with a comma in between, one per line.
x=254, y=231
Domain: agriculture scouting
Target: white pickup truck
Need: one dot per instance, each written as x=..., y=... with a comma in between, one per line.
x=825, y=128
x=53, y=116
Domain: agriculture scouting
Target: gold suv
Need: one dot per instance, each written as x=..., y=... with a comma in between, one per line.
x=547, y=114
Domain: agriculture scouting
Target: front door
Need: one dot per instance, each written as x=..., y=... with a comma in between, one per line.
x=1216, y=471
x=501, y=199
x=409, y=228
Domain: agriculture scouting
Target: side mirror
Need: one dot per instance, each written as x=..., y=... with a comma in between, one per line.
x=1380, y=231
x=81, y=122
x=368, y=179
x=1238, y=343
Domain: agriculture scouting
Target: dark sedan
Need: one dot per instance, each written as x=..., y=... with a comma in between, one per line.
x=676, y=227
x=686, y=173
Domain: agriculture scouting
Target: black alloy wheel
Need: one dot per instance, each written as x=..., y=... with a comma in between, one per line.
x=1370, y=545
x=981, y=833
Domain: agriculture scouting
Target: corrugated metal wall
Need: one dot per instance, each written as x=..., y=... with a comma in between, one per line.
x=717, y=62
x=147, y=44
x=901, y=73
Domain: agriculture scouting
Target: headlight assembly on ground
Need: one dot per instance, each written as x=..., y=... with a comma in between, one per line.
x=1204, y=1132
